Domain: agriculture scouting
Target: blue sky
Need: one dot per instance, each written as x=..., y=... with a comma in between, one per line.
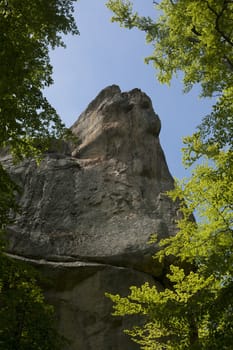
x=105, y=54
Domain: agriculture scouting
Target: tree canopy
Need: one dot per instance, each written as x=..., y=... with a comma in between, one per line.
x=27, y=31
x=194, y=37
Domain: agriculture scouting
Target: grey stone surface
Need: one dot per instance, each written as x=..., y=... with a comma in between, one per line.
x=77, y=291
x=94, y=206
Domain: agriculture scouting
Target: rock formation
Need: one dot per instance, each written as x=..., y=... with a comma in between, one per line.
x=88, y=211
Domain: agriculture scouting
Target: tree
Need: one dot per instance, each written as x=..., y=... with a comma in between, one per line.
x=26, y=321
x=195, y=37
x=195, y=310
x=28, y=29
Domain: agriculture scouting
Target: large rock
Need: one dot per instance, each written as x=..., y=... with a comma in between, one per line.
x=88, y=211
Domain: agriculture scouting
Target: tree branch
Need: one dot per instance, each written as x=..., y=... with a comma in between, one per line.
x=228, y=62
x=171, y=1
x=218, y=17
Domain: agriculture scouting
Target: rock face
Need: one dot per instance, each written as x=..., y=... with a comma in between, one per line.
x=88, y=211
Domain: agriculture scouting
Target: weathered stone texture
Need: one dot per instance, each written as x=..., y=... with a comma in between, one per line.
x=95, y=206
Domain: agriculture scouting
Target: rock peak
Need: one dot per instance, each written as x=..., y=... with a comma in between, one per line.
x=107, y=92
x=114, y=125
